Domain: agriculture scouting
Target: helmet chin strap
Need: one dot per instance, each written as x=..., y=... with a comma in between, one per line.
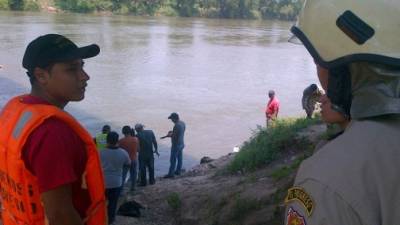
x=339, y=89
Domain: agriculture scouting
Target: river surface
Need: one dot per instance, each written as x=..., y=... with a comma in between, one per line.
x=214, y=73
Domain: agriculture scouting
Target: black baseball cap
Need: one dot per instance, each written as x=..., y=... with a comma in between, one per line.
x=52, y=48
x=173, y=115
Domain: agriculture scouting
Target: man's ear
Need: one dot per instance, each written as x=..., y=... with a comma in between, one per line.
x=41, y=75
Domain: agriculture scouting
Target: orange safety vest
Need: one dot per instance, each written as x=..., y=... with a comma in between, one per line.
x=19, y=189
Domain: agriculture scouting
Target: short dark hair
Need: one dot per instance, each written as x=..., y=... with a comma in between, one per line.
x=112, y=138
x=32, y=78
x=271, y=92
x=313, y=87
x=106, y=128
x=174, y=116
x=127, y=130
x=31, y=73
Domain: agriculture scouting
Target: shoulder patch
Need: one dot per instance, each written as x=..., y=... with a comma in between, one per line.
x=294, y=218
x=300, y=195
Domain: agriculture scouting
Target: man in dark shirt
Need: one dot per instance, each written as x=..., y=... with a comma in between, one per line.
x=177, y=144
x=147, y=141
x=310, y=99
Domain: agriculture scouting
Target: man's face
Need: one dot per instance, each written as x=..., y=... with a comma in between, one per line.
x=65, y=81
x=329, y=115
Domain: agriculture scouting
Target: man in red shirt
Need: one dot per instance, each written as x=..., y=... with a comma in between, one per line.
x=53, y=152
x=130, y=144
x=272, y=109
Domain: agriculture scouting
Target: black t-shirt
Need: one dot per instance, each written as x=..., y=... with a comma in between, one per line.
x=147, y=140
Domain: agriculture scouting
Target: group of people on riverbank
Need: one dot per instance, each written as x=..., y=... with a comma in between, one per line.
x=120, y=156
x=52, y=159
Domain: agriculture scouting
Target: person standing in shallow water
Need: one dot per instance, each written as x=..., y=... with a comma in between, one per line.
x=272, y=108
x=177, y=136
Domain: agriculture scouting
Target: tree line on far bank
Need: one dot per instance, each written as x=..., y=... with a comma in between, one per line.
x=241, y=9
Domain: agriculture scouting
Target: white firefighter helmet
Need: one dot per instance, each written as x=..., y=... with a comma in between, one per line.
x=338, y=32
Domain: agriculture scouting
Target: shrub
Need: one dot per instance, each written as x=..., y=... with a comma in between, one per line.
x=243, y=207
x=66, y=4
x=82, y=6
x=104, y=6
x=31, y=5
x=285, y=171
x=167, y=11
x=16, y=4
x=266, y=145
x=174, y=201
x=4, y=5
x=85, y=6
x=123, y=9
x=255, y=14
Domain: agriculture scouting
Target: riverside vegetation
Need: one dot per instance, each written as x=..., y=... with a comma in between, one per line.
x=243, y=9
x=245, y=188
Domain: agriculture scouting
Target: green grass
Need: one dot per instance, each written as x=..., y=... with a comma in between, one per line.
x=266, y=145
x=174, y=201
x=4, y=5
x=281, y=173
x=287, y=170
x=242, y=207
x=214, y=209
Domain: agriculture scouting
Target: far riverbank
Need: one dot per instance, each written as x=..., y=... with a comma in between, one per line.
x=228, y=9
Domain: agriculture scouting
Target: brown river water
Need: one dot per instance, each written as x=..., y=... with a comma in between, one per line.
x=214, y=73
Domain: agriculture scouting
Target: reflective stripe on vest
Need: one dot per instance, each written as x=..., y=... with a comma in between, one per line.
x=101, y=141
x=18, y=187
x=21, y=123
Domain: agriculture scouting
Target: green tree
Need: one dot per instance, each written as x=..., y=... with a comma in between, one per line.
x=143, y=7
x=208, y=8
x=85, y=6
x=237, y=8
x=4, y=5
x=16, y=4
x=186, y=8
x=31, y=5
x=246, y=9
x=104, y=5
x=286, y=12
x=227, y=8
x=268, y=8
x=82, y=6
x=69, y=5
x=117, y=4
